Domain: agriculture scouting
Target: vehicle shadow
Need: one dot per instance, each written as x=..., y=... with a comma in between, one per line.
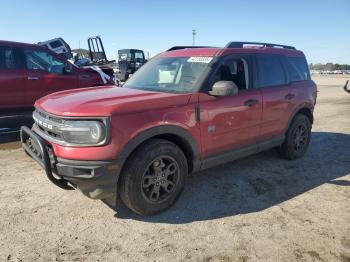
x=256, y=182
x=10, y=124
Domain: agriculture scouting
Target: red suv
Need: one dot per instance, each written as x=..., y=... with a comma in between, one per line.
x=28, y=72
x=182, y=112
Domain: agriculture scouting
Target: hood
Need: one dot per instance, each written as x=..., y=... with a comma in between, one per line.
x=107, y=101
x=95, y=75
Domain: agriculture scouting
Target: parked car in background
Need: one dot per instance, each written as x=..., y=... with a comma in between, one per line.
x=29, y=71
x=59, y=46
x=129, y=61
x=184, y=111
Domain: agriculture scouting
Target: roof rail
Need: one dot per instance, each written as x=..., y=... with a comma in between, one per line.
x=186, y=46
x=241, y=45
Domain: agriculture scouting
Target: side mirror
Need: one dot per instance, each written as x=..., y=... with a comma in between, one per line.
x=68, y=68
x=224, y=88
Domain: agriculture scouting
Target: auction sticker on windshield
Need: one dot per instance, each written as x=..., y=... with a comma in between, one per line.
x=200, y=59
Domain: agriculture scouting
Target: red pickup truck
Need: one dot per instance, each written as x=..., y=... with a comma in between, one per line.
x=29, y=71
x=184, y=111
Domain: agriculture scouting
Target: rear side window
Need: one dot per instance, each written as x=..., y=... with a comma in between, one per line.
x=297, y=69
x=270, y=71
x=7, y=58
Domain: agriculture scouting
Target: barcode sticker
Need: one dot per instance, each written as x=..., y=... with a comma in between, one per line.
x=200, y=59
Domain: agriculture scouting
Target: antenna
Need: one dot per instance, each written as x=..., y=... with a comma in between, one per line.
x=194, y=37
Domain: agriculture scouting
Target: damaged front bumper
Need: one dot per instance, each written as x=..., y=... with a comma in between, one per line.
x=95, y=179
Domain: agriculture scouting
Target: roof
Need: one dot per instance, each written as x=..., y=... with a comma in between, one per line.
x=236, y=47
x=26, y=45
x=11, y=43
x=129, y=50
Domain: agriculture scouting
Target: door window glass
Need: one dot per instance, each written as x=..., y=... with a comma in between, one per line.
x=7, y=58
x=270, y=70
x=235, y=70
x=41, y=60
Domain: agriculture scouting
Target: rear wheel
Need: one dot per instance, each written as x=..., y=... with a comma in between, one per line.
x=297, y=138
x=153, y=177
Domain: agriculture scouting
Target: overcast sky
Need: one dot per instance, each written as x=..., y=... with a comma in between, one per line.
x=319, y=28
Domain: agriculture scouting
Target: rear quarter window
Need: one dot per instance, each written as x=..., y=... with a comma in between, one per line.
x=270, y=71
x=298, y=69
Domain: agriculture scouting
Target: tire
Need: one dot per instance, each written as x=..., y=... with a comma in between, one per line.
x=153, y=177
x=297, y=138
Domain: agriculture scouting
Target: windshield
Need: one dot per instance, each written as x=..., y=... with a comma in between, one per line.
x=171, y=74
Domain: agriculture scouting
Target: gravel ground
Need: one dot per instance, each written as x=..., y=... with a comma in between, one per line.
x=261, y=208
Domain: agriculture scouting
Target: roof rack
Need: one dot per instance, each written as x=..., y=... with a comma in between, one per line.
x=186, y=46
x=241, y=45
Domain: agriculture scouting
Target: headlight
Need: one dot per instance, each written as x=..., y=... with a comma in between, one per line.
x=84, y=132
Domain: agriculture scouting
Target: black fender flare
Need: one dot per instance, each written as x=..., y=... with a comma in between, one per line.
x=156, y=131
x=295, y=112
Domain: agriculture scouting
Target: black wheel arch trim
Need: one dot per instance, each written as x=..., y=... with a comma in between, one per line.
x=153, y=132
x=297, y=110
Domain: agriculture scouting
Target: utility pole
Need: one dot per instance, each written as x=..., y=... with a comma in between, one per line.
x=194, y=37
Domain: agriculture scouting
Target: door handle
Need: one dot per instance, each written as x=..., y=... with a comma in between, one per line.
x=251, y=102
x=289, y=96
x=33, y=78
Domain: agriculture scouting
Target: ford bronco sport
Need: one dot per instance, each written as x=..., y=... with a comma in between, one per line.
x=184, y=111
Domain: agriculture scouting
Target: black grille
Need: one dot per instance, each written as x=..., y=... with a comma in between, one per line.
x=48, y=124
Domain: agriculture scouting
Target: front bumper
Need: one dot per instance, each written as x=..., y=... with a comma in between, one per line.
x=95, y=179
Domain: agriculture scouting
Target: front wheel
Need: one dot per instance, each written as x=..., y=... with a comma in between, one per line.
x=153, y=177
x=297, y=138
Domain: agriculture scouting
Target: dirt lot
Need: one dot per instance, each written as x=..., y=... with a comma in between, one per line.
x=261, y=208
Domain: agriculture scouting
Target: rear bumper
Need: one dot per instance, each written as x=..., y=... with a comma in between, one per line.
x=95, y=179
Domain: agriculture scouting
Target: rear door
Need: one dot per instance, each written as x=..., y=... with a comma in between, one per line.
x=277, y=94
x=46, y=74
x=11, y=78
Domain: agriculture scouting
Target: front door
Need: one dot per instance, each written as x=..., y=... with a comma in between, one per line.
x=230, y=122
x=45, y=74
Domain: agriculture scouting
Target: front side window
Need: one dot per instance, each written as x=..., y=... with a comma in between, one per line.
x=7, y=58
x=171, y=74
x=235, y=70
x=270, y=71
x=41, y=60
